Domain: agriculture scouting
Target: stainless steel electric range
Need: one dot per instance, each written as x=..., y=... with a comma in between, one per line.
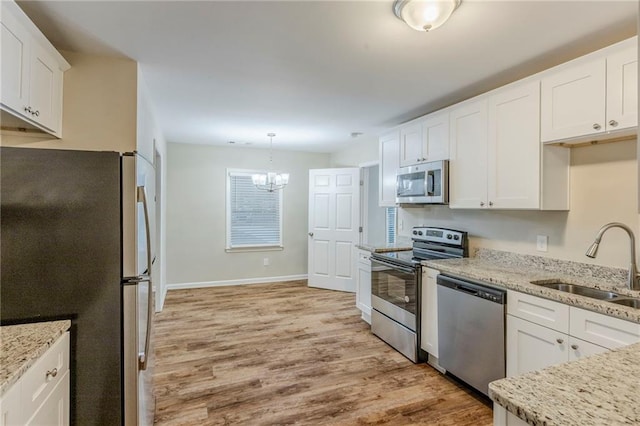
x=396, y=281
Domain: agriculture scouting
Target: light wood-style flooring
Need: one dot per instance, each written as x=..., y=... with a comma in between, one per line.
x=284, y=353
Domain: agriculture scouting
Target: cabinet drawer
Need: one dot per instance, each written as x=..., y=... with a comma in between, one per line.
x=540, y=311
x=603, y=330
x=364, y=256
x=39, y=381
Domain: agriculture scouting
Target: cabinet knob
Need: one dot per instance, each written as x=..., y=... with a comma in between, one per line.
x=481, y=203
x=596, y=126
x=52, y=373
x=490, y=203
x=418, y=160
x=560, y=341
x=613, y=123
x=311, y=234
x=574, y=347
x=36, y=113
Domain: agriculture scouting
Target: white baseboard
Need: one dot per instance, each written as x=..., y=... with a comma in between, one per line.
x=244, y=281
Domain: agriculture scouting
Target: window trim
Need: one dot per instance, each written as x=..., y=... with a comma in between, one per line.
x=249, y=247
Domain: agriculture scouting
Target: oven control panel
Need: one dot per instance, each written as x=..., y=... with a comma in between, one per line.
x=438, y=235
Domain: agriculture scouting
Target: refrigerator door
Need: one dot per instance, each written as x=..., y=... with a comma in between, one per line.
x=138, y=243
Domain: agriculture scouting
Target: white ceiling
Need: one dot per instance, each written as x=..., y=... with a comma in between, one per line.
x=315, y=71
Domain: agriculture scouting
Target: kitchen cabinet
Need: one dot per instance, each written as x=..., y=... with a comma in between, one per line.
x=31, y=87
x=389, y=164
x=429, y=315
x=363, y=284
x=591, y=96
x=425, y=140
x=542, y=332
x=41, y=396
x=496, y=160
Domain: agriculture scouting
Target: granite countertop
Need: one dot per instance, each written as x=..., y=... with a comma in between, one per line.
x=517, y=276
x=597, y=390
x=21, y=345
x=602, y=389
x=400, y=245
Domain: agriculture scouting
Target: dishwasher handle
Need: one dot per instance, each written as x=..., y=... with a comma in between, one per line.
x=473, y=288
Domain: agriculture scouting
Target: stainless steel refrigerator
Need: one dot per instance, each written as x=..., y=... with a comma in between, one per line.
x=77, y=242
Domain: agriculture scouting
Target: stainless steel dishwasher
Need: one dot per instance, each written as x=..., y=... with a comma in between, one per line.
x=471, y=331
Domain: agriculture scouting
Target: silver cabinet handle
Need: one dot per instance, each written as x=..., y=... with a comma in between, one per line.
x=418, y=160
x=596, y=126
x=51, y=373
x=481, y=203
x=37, y=113
x=311, y=234
x=143, y=357
x=574, y=347
x=561, y=341
x=490, y=203
x=613, y=123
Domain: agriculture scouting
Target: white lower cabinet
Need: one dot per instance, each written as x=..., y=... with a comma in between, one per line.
x=429, y=314
x=363, y=284
x=41, y=395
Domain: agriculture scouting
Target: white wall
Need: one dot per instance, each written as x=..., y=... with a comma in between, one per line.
x=359, y=151
x=603, y=189
x=196, y=185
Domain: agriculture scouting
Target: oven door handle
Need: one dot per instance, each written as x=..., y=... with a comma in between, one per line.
x=394, y=266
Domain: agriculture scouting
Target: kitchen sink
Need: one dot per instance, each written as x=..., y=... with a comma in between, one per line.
x=634, y=303
x=593, y=293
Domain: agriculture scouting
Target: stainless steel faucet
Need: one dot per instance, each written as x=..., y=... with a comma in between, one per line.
x=634, y=277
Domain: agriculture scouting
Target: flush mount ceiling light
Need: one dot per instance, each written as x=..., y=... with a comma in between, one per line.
x=270, y=181
x=425, y=15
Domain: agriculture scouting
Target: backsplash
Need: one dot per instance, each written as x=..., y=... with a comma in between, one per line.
x=596, y=274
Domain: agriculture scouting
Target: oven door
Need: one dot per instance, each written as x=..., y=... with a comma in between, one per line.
x=394, y=291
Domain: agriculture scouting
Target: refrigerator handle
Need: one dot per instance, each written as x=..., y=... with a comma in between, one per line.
x=143, y=357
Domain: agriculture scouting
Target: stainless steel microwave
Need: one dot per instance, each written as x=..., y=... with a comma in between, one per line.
x=426, y=183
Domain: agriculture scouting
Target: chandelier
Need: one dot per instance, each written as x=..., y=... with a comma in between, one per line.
x=270, y=181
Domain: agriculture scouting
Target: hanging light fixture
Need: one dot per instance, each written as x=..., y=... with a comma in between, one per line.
x=425, y=15
x=270, y=181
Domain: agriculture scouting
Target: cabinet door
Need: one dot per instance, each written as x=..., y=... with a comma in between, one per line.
x=622, y=90
x=15, y=63
x=533, y=347
x=468, y=156
x=389, y=163
x=579, y=348
x=54, y=411
x=429, y=315
x=514, y=148
x=363, y=283
x=411, y=145
x=573, y=102
x=44, y=82
x=435, y=137
x=11, y=411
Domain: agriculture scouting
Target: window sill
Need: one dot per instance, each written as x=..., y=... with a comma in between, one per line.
x=253, y=249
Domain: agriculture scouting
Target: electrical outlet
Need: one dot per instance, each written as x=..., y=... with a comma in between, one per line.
x=265, y=261
x=541, y=243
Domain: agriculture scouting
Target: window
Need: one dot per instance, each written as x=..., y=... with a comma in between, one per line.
x=254, y=216
x=391, y=225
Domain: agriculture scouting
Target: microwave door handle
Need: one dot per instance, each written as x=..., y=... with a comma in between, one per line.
x=143, y=358
x=430, y=183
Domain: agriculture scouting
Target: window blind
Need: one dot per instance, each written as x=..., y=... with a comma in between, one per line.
x=391, y=225
x=253, y=214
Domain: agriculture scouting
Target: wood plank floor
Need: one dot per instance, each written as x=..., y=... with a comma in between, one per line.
x=284, y=353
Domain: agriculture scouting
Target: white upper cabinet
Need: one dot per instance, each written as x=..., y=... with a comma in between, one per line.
x=411, y=145
x=389, y=164
x=468, y=155
x=425, y=140
x=31, y=87
x=593, y=97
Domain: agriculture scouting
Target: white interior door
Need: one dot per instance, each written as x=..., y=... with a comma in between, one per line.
x=334, y=202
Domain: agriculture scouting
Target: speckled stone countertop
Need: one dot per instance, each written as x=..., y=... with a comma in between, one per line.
x=515, y=272
x=21, y=345
x=400, y=245
x=602, y=389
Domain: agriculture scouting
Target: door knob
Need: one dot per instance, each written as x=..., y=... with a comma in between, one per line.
x=311, y=234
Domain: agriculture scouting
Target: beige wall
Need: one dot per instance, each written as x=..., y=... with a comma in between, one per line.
x=196, y=214
x=99, y=106
x=356, y=153
x=604, y=189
